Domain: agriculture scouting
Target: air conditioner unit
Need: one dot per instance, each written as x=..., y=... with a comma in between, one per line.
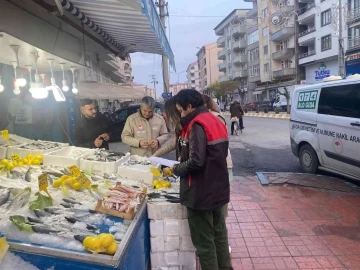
x=303, y=82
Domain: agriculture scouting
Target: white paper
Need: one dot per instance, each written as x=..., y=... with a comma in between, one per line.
x=163, y=161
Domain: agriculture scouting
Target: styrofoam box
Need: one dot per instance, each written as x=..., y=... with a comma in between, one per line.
x=173, y=258
x=169, y=227
x=65, y=157
x=178, y=267
x=166, y=210
x=12, y=150
x=127, y=172
x=99, y=167
x=169, y=243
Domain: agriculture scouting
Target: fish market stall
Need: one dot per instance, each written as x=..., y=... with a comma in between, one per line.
x=50, y=216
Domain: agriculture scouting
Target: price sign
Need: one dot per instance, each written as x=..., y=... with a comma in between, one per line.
x=4, y=247
x=75, y=171
x=84, y=181
x=16, y=158
x=43, y=182
x=5, y=134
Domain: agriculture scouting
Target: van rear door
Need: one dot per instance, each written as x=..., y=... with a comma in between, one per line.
x=339, y=134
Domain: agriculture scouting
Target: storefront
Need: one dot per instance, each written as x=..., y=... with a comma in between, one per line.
x=352, y=63
x=315, y=73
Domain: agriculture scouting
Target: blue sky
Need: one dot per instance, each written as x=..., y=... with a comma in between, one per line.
x=186, y=33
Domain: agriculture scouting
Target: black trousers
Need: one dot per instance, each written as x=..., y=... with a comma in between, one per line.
x=241, y=125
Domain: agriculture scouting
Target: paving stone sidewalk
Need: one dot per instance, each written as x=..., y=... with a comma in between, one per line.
x=289, y=225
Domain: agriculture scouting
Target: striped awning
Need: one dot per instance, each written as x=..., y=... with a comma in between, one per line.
x=128, y=25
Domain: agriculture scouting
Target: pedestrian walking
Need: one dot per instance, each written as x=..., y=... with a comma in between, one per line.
x=237, y=111
x=204, y=185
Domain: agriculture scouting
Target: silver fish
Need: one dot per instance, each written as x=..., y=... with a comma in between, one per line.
x=66, y=172
x=16, y=175
x=50, y=179
x=68, y=200
x=20, y=200
x=28, y=175
x=4, y=196
x=34, y=220
x=40, y=213
x=44, y=229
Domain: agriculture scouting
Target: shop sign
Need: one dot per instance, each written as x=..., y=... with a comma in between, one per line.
x=307, y=99
x=353, y=56
x=322, y=72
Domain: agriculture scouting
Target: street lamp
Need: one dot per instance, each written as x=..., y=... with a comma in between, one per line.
x=178, y=73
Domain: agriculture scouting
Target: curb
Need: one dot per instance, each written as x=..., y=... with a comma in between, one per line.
x=266, y=115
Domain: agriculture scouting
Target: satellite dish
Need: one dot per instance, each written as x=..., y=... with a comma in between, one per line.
x=276, y=20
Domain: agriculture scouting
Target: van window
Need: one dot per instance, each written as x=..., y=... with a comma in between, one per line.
x=339, y=101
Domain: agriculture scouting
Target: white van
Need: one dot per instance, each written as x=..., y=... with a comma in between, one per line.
x=325, y=126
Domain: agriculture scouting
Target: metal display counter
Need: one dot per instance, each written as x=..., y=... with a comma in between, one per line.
x=133, y=252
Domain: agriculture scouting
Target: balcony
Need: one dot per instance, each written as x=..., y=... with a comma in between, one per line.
x=353, y=15
x=251, y=27
x=284, y=73
x=307, y=57
x=307, y=54
x=283, y=34
x=222, y=67
x=283, y=54
x=221, y=42
x=307, y=31
x=240, y=73
x=238, y=30
x=251, y=14
x=239, y=59
x=306, y=12
x=253, y=79
x=240, y=44
x=223, y=78
x=222, y=54
x=354, y=43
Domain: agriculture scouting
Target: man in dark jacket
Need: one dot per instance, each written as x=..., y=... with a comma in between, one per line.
x=92, y=131
x=237, y=111
x=204, y=185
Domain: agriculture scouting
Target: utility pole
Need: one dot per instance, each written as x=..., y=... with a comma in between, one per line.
x=165, y=63
x=341, y=42
x=155, y=82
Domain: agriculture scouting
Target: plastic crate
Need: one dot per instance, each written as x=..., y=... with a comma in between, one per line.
x=66, y=156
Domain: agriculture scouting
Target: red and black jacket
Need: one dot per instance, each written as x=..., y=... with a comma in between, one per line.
x=203, y=148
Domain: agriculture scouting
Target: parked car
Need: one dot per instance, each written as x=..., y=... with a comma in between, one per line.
x=118, y=118
x=252, y=106
x=266, y=104
x=325, y=127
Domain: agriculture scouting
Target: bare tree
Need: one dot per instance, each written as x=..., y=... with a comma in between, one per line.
x=286, y=94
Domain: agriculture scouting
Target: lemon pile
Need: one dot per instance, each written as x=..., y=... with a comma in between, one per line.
x=103, y=243
x=28, y=160
x=67, y=180
x=161, y=184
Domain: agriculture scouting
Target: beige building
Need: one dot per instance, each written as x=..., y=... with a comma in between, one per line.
x=208, y=65
x=192, y=75
x=272, y=48
x=233, y=53
x=175, y=88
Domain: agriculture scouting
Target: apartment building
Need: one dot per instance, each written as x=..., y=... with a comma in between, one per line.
x=318, y=42
x=233, y=44
x=175, y=88
x=192, y=75
x=352, y=55
x=272, y=48
x=208, y=65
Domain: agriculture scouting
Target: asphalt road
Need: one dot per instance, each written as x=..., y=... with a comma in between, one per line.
x=264, y=146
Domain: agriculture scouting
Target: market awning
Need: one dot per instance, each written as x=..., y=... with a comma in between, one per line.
x=257, y=92
x=129, y=25
x=94, y=90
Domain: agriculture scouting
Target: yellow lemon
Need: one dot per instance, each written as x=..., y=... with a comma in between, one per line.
x=156, y=182
x=57, y=183
x=36, y=162
x=20, y=163
x=88, y=241
x=10, y=166
x=96, y=244
x=111, y=250
x=4, y=162
x=106, y=240
x=158, y=186
x=167, y=185
x=39, y=157
x=76, y=186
